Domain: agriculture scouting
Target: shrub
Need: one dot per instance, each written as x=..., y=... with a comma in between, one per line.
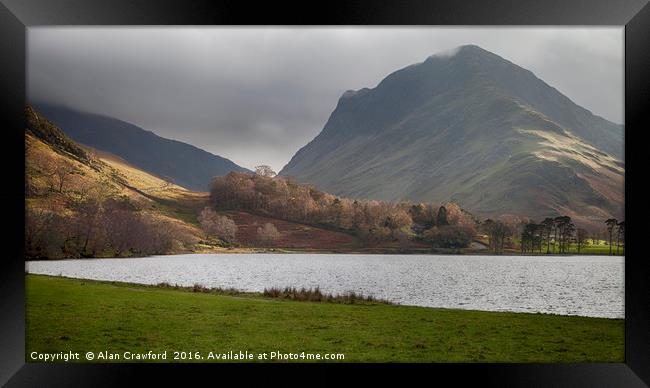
x=316, y=295
x=449, y=236
x=221, y=227
x=268, y=233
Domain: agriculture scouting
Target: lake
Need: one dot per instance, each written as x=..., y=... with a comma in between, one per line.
x=569, y=285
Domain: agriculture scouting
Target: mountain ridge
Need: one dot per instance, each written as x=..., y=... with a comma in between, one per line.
x=440, y=129
x=182, y=163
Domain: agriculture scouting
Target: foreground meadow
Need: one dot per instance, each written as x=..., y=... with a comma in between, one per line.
x=81, y=315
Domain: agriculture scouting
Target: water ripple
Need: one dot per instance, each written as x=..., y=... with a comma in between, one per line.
x=575, y=285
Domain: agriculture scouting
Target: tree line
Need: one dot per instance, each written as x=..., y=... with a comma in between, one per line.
x=558, y=234
x=97, y=222
x=69, y=216
x=225, y=229
x=373, y=221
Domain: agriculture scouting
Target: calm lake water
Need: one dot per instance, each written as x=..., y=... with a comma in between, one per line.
x=573, y=285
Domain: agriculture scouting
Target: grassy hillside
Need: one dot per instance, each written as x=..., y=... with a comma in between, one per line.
x=81, y=315
x=166, y=198
x=65, y=180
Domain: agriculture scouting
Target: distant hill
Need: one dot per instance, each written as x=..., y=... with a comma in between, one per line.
x=474, y=128
x=178, y=162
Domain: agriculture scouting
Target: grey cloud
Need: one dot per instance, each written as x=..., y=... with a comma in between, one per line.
x=256, y=95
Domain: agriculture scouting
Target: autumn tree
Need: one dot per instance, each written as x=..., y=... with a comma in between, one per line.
x=336, y=211
x=218, y=226
x=268, y=233
x=448, y=236
x=398, y=223
x=372, y=221
x=424, y=215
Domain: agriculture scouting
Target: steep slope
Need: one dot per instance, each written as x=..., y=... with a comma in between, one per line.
x=60, y=173
x=181, y=163
x=471, y=127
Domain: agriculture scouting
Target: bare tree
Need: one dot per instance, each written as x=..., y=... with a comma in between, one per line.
x=44, y=234
x=219, y=226
x=268, y=233
x=124, y=231
x=498, y=232
x=61, y=175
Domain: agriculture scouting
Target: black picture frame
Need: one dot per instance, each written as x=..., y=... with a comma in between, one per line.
x=17, y=15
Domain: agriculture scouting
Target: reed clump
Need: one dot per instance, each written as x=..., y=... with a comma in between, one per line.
x=289, y=293
x=316, y=295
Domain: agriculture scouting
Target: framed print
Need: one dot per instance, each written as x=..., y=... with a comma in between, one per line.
x=438, y=188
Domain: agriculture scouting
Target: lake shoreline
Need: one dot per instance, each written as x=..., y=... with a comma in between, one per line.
x=581, y=285
x=282, y=251
x=79, y=315
x=198, y=288
x=254, y=294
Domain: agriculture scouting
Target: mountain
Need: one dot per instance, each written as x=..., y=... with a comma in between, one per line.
x=181, y=163
x=470, y=127
x=61, y=175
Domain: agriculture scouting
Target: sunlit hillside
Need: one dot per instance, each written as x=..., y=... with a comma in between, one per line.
x=83, y=202
x=65, y=180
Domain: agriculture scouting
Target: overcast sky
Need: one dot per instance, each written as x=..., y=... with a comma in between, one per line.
x=256, y=95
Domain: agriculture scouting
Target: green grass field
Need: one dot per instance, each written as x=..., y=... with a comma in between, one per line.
x=79, y=315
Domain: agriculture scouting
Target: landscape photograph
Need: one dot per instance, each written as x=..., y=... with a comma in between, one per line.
x=324, y=194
